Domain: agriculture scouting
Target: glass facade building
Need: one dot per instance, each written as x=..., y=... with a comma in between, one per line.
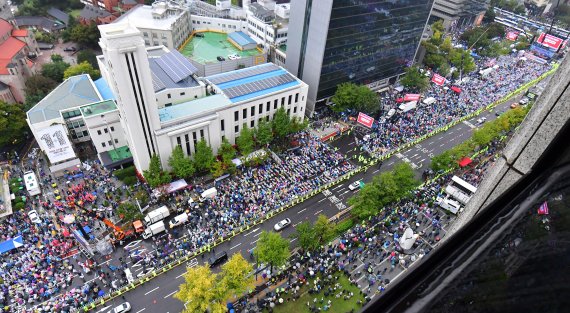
x=360, y=41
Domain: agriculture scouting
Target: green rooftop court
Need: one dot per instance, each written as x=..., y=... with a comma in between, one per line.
x=98, y=108
x=120, y=153
x=206, y=49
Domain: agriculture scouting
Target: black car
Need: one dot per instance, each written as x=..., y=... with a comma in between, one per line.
x=220, y=58
x=218, y=259
x=69, y=49
x=199, y=35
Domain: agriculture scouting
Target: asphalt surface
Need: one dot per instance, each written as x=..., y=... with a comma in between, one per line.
x=157, y=295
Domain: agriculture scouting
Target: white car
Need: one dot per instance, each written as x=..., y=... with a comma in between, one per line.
x=481, y=120
x=34, y=217
x=125, y=307
x=284, y=223
x=354, y=185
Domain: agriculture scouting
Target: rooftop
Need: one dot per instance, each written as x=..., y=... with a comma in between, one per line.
x=20, y=33
x=39, y=22
x=98, y=108
x=142, y=17
x=253, y=81
x=59, y=15
x=193, y=107
x=73, y=92
x=171, y=70
x=5, y=27
x=90, y=12
x=206, y=49
x=104, y=89
x=241, y=38
x=116, y=156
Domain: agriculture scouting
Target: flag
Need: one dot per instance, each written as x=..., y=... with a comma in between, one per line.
x=543, y=209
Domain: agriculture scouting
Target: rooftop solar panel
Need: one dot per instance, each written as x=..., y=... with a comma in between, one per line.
x=248, y=88
x=268, y=67
x=157, y=84
x=176, y=66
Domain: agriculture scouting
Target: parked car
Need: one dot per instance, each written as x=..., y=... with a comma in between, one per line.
x=282, y=224
x=524, y=101
x=199, y=35
x=354, y=185
x=481, y=120
x=34, y=217
x=125, y=307
x=220, y=58
x=218, y=259
x=514, y=105
x=498, y=113
x=70, y=49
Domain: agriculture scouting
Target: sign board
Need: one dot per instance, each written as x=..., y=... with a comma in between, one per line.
x=550, y=41
x=512, y=36
x=411, y=97
x=365, y=120
x=54, y=142
x=438, y=79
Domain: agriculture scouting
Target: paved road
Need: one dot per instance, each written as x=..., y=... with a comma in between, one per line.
x=156, y=296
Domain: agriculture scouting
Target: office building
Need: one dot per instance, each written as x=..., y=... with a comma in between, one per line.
x=459, y=13
x=365, y=42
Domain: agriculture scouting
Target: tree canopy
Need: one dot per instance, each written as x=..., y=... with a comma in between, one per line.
x=89, y=56
x=82, y=68
x=263, y=133
x=155, y=176
x=305, y=234
x=272, y=249
x=204, y=157
x=55, y=69
x=281, y=123
x=358, y=98
x=414, y=79
x=202, y=291
x=245, y=140
x=181, y=165
x=13, y=126
x=235, y=275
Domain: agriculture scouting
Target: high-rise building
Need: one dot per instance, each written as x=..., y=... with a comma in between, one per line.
x=365, y=42
x=459, y=12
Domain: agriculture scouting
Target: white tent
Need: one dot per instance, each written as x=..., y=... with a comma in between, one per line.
x=408, y=239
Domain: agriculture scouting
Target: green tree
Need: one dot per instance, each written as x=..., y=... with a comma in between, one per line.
x=128, y=212
x=281, y=123
x=414, y=79
x=324, y=230
x=55, y=70
x=438, y=32
x=82, y=68
x=227, y=152
x=155, y=176
x=56, y=58
x=13, y=126
x=352, y=96
x=245, y=140
x=263, y=133
x=441, y=162
x=367, y=202
x=272, y=249
x=204, y=157
x=404, y=175
x=217, y=168
x=181, y=165
x=39, y=85
x=235, y=276
x=88, y=56
x=489, y=15
x=306, y=236
x=85, y=35
x=202, y=291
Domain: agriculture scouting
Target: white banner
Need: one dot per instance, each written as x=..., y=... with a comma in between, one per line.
x=54, y=142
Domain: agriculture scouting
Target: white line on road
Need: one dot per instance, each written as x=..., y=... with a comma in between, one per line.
x=180, y=275
x=422, y=160
x=139, y=311
x=253, y=242
x=170, y=294
x=414, y=156
x=442, y=145
x=152, y=290
x=344, y=192
x=337, y=187
x=431, y=143
x=239, y=244
x=390, y=163
x=350, y=144
x=109, y=260
x=319, y=211
x=253, y=231
x=105, y=308
x=256, y=234
x=303, y=210
x=323, y=199
x=375, y=171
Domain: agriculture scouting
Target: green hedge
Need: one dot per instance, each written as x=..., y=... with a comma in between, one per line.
x=344, y=226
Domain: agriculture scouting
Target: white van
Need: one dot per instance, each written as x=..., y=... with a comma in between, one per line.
x=429, y=101
x=391, y=113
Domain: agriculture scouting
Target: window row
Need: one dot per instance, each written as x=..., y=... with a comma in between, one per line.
x=267, y=107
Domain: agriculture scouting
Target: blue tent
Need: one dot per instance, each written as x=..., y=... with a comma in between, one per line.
x=11, y=244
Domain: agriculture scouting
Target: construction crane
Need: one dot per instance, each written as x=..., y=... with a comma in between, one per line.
x=118, y=233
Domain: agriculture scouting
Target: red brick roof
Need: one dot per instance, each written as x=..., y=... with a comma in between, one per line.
x=8, y=50
x=5, y=27
x=20, y=33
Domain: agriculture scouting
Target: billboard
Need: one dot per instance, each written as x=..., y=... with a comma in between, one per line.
x=541, y=51
x=512, y=36
x=54, y=142
x=550, y=41
x=365, y=120
x=438, y=79
x=411, y=97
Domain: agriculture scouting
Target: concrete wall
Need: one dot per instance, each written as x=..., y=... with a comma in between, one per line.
x=97, y=124
x=205, y=23
x=228, y=65
x=178, y=95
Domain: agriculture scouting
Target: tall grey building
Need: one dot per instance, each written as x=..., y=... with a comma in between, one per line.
x=459, y=12
x=361, y=41
x=5, y=10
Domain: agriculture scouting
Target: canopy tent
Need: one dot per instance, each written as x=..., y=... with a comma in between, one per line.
x=237, y=162
x=408, y=239
x=456, y=89
x=399, y=88
x=11, y=244
x=176, y=185
x=411, y=97
x=464, y=162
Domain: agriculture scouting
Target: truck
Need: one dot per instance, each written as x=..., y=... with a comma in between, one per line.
x=154, y=229
x=208, y=194
x=405, y=107
x=178, y=220
x=157, y=215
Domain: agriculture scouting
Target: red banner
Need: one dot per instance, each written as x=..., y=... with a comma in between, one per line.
x=543, y=209
x=550, y=41
x=365, y=120
x=438, y=79
x=411, y=97
x=512, y=36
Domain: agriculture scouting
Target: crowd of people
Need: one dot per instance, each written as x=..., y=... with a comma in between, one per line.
x=477, y=92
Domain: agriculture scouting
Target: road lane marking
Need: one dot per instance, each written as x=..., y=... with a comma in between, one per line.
x=239, y=244
x=180, y=275
x=253, y=242
x=319, y=211
x=323, y=199
x=344, y=192
x=442, y=145
x=152, y=290
x=139, y=311
x=170, y=294
x=109, y=260
x=337, y=187
x=105, y=308
x=295, y=225
x=253, y=231
x=350, y=144
x=293, y=240
x=256, y=234
x=390, y=163
x=303, y=210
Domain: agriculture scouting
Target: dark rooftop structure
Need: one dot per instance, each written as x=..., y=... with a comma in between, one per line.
x=59, y=15
x=261, y=12
x=90, y=12
x=39, y=22
x=172, y=70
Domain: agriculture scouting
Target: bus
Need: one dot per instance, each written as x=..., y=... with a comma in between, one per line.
x=31, y=182
x=460, y=190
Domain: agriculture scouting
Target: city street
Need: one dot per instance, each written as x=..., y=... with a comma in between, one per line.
x=156, y=295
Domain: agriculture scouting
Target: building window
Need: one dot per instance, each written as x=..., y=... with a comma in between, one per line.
x=252, y=111
x=223, y=138
x=295, y=109
x=179, y=141
x=289, y=101
x=236, y=116
x=201, y=134
x=288, y=111
x=244, y=114
x=296, y=97
x=112, y=128
x=103, y=144
x=275, y=104
x=168, y=95
x=182, y=93
x=105, y=130
x=222, y=125
x=116, y=140
x=110, y=142
x=85, y=133
x=168, y=104
x=282, y=101
x=99, y=132
x=252, y=124
x=260, y=108
x=236, y=129
x=187, y=138
x=195, y=140
x=268, y=107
